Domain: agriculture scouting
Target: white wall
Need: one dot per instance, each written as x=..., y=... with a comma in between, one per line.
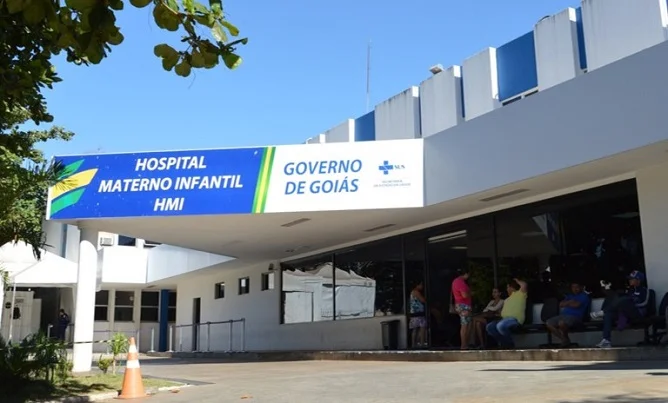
x=563, y=123
x=615, y=29
x=653, y=201
x=343, y=133
x=441, y=101
x=262, y=312
x=480, y=83
x=123, y=264
x=165, y=261
x=318, y=139
x=399, y=117
x=557, y=50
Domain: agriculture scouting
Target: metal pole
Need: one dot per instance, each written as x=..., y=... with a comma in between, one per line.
x=208, y=337
x=171, y=339
x=243, y=335
x=152, y=350
x=137, y=334
x=11, y=314
x=229, y=349
x=180, y=339
x=107, y=338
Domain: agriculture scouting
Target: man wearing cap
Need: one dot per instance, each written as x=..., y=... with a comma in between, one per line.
x=629, y=306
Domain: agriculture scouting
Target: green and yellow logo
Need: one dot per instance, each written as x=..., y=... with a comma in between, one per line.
x=70, y=186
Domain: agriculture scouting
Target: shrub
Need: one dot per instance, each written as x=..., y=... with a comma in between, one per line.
x=118, y=345
x=34, y=357
x=104, y=364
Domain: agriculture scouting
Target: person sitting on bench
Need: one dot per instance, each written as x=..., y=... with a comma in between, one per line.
x=512, y=314
x=573, y=309
x=623, y=308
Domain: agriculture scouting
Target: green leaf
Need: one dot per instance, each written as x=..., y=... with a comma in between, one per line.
x=218, y=33
x=15, y=6
x=189, y=6
x=216, y=7
x=234, y=31
x=81, y=5
x=140, y=3
x=168, y=54
x=173, y=5
x=205, y=20
x=115, y=38
x=200, y=8
x=232, y=61
x=183, y=69
x=165, y=18
x=210, y=59
x=95, y=52
x=116, y=4
x=35, y=12
x=197, y=60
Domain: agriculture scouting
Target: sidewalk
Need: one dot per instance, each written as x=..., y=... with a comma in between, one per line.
x=389, y=382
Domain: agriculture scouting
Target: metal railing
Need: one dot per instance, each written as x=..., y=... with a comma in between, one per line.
x=109, y=334
x=201, y=339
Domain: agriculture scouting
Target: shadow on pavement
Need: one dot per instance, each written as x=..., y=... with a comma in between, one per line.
x=619, y=399
x=595, y=366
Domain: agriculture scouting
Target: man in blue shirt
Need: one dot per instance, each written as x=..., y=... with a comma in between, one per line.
x=632, y=304
x=573, y=309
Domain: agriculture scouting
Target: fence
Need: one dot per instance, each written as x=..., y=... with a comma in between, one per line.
x=208, y=336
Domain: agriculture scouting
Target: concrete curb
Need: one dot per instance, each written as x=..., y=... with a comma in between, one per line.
x=112, y=395
x=583, y=354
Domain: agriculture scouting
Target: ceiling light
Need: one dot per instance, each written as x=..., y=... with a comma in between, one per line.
x=295, y=222
x=447, y=237
x=502, y=195
x=379, y=227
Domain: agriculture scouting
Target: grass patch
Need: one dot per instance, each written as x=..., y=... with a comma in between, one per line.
x=79, y=385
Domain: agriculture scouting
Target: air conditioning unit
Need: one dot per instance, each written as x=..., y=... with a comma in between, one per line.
x=106, y=241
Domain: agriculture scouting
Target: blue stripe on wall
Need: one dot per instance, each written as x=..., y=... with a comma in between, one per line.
x=581, y=39
x=516, y=66
x=365, y=127
x=164, y=320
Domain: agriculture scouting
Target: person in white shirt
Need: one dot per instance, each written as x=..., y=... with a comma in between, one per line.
x=491, y=312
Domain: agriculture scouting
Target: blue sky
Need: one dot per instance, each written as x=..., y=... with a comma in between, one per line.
x=304, y=71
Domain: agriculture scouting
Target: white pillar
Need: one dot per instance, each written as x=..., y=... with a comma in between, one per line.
x=653, y=202
x=2, y=298
x=84, y=318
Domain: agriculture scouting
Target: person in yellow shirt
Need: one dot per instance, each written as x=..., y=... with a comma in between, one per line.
x=512, y=314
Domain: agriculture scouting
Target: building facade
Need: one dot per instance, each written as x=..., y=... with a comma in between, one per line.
x=545, y=158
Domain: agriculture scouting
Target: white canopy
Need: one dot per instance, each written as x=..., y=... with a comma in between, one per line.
x=309, y=294
x=24, y=269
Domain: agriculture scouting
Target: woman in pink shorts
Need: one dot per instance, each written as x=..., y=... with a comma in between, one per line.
x=461, y=294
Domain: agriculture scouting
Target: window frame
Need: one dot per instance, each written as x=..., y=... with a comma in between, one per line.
x=125, y=307
x=219, y=292
x=244, y=290
x=143, y=306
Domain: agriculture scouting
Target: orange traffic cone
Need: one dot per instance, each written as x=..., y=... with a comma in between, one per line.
x=133, y=386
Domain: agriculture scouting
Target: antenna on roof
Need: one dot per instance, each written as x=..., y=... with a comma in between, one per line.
x=368, y=75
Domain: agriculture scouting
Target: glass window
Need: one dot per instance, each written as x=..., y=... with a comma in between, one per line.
x=369, y=280
x=219, y=290
x=126, y=241
x=150, y=306
x=453, y=248
x=244, y=285
x=307, y=292
x=529, y=243
x=603, y=240
x=267, y=281
x=124, y=308
x=171, y=310
x=102, y=305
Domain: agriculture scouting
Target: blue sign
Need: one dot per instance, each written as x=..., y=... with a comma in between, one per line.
x=160, y=184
